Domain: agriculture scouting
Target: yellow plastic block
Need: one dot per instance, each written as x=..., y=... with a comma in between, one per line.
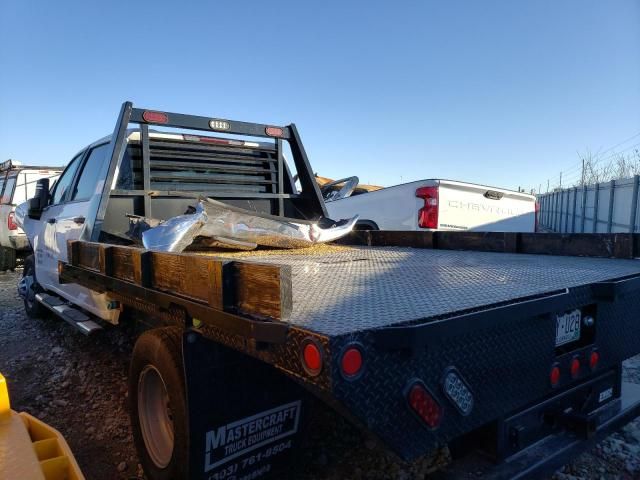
x=17, y=458
x=57, y=462
x=5, y=405
x=31, y=449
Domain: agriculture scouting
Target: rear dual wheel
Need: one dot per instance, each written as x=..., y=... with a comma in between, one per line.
x=7, y=259
x=158, y=404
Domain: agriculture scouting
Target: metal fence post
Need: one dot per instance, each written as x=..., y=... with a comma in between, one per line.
x=634, y=204
x=561, y=196
x=573, y=212
x=558, y=210
x=566, y=217
x=584, y=207
x=595, y=207
x=612, y=187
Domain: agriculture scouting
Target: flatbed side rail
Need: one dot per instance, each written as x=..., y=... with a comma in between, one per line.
x=417, y=336
x=206, y=287
x=606, y=245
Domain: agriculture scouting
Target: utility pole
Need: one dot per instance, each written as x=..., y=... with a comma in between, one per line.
x=582, y=181
x=547, y=185
x=560, y=180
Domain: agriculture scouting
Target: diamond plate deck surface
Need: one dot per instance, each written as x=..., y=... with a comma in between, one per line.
x=361, y=288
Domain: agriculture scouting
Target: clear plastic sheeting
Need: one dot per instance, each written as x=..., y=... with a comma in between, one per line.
x=218, y=225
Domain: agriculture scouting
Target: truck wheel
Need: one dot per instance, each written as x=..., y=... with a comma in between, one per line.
x=28, y=287
x=158, y=404
x=7, y=258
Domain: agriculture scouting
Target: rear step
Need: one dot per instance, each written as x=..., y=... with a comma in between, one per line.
x=69, y=314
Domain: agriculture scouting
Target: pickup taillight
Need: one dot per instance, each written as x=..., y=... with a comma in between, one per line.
x=11, y=223
x=428, y=215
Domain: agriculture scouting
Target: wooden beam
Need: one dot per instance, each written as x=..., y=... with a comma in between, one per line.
x=608, y=245
x=261, y=290
x=254, y=287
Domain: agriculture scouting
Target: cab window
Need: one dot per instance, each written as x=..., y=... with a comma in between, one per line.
x=8, y=188
x=63, y=184
x=92, y=171
x=2, y=180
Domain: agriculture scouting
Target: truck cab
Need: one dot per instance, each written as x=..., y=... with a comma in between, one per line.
x=17, y=184
x=159, y=174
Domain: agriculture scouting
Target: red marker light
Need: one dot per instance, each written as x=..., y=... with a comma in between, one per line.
x=424, y=405
x=312, y=358
x=155, y=117
x=274, y=131
x=594, y=358
x=351, y=362
x=555, y=375
x=575, y=367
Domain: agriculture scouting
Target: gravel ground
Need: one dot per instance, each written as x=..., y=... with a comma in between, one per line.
x=78, y=385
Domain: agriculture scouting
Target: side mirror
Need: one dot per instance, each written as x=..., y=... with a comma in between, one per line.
x=41, y=199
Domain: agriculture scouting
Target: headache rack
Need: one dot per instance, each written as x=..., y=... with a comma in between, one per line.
x=13, y=165
x=149, y=170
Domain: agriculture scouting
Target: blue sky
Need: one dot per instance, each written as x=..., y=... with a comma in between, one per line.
x=502, y=93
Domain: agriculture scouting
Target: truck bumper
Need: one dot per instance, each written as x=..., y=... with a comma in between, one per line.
x=551, y=453
x=19, y=242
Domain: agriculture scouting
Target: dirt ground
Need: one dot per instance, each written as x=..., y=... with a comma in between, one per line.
x=78, y=385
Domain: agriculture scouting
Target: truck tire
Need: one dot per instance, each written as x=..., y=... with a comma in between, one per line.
x=30, y=284
x=158, y=404
x=7, y=259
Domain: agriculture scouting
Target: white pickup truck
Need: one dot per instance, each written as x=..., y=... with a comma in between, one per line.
x=17, y=185
x=433, y=205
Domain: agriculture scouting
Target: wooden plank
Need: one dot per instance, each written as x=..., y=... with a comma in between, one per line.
x=73, y=251
x=125, y=263
x=382, y=238
x=478, y=241
x=259, y=289
x=87, y=255
x=183, y=274
x=618, y=245
x=252, y=288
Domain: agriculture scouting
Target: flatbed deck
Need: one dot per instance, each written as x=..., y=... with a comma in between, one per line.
x=338, y=290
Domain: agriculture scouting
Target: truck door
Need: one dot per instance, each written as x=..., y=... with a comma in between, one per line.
x=70, y=223
x=44, y=242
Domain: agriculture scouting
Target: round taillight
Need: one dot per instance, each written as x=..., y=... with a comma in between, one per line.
x=312, y=358
x=594, y=358
x=555, y=375
x=351, y=362
x=575, y=367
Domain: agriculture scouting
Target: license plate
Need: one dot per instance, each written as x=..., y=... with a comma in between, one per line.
x=568, y=327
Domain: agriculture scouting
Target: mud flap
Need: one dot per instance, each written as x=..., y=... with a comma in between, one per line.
x=246, y=419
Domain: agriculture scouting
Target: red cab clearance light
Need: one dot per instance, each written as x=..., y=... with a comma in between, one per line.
x=428, y=214
x=11, y=221
x=274, y=131
x=424, y=405
x=155, y=117
x=351, y=363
